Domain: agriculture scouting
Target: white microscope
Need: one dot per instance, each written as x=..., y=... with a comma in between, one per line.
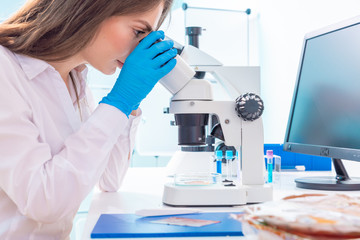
x=239, y=125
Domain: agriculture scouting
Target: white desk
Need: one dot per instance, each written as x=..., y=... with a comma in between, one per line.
x=143, y=187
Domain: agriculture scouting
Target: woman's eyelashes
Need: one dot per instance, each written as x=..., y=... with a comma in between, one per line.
x=138, y=33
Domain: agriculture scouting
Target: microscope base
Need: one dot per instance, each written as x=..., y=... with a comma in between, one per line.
x=216, y=195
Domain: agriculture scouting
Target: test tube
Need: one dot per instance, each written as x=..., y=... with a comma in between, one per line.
x=228, y=157
x=277, y=171
x=218, y=159
x=269, y=164
x=277, y=163
x=238, y=167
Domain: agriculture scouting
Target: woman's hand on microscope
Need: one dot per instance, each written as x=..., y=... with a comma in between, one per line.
x=144, y=67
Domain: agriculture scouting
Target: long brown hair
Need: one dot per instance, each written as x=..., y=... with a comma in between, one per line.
x=54, y=30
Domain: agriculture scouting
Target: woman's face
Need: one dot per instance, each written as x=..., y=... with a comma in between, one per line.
x=117, y=37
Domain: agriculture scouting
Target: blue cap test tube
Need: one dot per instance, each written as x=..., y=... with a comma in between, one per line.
x=218, y=157
x=229, y=154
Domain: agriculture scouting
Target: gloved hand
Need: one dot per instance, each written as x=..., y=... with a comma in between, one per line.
x=143, y=68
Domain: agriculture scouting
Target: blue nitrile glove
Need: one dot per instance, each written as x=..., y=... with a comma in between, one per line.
x=143, y=68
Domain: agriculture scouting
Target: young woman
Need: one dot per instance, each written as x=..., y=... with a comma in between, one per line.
x=54, y=148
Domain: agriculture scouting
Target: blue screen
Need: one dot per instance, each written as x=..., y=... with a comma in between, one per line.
x=327, y=104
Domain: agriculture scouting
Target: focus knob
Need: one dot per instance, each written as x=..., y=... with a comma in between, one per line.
x=249, y=106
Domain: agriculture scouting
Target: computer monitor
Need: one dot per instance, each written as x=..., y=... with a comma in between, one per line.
x=325, y=111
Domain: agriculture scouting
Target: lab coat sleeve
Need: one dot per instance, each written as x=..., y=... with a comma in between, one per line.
x=120, y=157
x=46, y=186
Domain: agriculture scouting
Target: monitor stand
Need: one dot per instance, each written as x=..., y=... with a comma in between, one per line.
x=342, y=181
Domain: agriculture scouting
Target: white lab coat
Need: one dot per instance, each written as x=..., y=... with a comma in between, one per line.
x=49, y=159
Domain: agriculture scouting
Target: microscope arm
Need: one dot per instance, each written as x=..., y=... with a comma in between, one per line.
x=235, y=80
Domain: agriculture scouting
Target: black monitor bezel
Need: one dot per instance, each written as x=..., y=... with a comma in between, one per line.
x=318, y=150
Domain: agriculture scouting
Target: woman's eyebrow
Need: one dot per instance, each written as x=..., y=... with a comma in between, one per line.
x=148, y=27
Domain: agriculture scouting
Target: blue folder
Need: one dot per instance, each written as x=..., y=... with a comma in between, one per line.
x=133, y=226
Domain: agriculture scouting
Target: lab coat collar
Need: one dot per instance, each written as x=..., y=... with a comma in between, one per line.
x=32, y=67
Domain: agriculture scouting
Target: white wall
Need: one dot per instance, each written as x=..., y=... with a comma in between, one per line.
x=7, y=7
x=225, y=35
